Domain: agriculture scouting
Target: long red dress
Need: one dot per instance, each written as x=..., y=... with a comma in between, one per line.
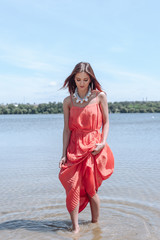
x=83, y=172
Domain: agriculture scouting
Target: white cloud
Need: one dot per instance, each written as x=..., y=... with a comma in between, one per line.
x=133, y=76
x=123, y=75
x=16, y=88
x=32, y=59
x=125, y=85
x=52, y=84
x=24, y=58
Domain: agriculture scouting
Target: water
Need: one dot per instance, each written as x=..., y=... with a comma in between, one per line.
x=32, y=200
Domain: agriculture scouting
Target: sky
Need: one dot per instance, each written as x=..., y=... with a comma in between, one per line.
x=42, y=41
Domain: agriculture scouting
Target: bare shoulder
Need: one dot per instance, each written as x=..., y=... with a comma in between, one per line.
x=67, y=102
x=102, y=96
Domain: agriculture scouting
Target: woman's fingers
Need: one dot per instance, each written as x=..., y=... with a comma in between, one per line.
x=61, y=162
x=98, y=148
x=96, y=151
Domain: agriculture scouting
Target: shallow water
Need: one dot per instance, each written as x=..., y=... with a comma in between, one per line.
x=32, y=200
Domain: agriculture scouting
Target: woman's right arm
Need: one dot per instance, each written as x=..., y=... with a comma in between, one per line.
x=66, y=130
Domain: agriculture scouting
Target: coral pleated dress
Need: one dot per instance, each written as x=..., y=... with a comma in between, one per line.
x=83, y=172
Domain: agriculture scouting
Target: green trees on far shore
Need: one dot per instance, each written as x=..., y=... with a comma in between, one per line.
x=134, y=107
x=53, y=107
x=43, y=108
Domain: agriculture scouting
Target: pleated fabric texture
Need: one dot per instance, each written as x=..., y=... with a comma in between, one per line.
x=83, y=173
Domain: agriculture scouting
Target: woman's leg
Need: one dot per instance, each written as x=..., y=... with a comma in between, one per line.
x=74, y=219
x=94, y=205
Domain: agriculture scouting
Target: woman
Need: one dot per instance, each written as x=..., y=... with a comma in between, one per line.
x=87, y=160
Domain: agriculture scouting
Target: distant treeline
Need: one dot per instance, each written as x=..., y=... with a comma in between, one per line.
x=53, y=107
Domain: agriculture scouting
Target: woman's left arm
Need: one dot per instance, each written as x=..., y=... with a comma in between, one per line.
x=105, y=119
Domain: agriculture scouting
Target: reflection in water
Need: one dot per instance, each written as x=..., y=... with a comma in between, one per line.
x=33, y=225
x=96, y=231
x=88, y=231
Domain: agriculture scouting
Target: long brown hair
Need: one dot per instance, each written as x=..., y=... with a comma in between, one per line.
x=81, y=67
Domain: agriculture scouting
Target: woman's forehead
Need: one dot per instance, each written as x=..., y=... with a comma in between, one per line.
x=82, y=75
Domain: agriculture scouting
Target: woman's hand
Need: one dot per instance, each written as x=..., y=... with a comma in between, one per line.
x=62, y=161
x=99, y=147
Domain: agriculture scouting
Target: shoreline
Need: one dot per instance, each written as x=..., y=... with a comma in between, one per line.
x=54, y=108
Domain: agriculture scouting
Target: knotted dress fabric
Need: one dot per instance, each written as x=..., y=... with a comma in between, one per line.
x=83, y=173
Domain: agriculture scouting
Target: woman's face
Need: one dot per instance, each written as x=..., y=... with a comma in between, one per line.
x=82, y=81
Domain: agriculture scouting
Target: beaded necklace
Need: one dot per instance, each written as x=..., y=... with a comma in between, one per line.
x=79, y=99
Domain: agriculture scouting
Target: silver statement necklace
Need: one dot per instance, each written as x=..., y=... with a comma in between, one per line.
x=79, y=99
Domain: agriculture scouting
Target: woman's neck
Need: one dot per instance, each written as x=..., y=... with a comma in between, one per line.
x=82, y=93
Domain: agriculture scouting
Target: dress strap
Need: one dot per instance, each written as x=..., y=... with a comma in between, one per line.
x=97, y=96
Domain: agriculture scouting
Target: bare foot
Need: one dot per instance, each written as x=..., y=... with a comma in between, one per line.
x=76, y=229
x=94, y=221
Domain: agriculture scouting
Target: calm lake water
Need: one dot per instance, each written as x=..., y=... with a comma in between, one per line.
x=32, y=200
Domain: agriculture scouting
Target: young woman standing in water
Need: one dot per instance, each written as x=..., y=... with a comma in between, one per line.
x=87, y=159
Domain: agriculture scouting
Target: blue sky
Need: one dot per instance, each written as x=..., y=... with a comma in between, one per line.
x=41, y=41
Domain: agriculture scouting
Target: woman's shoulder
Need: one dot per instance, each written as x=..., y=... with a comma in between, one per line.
x=100, y=94
x=67, y=101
